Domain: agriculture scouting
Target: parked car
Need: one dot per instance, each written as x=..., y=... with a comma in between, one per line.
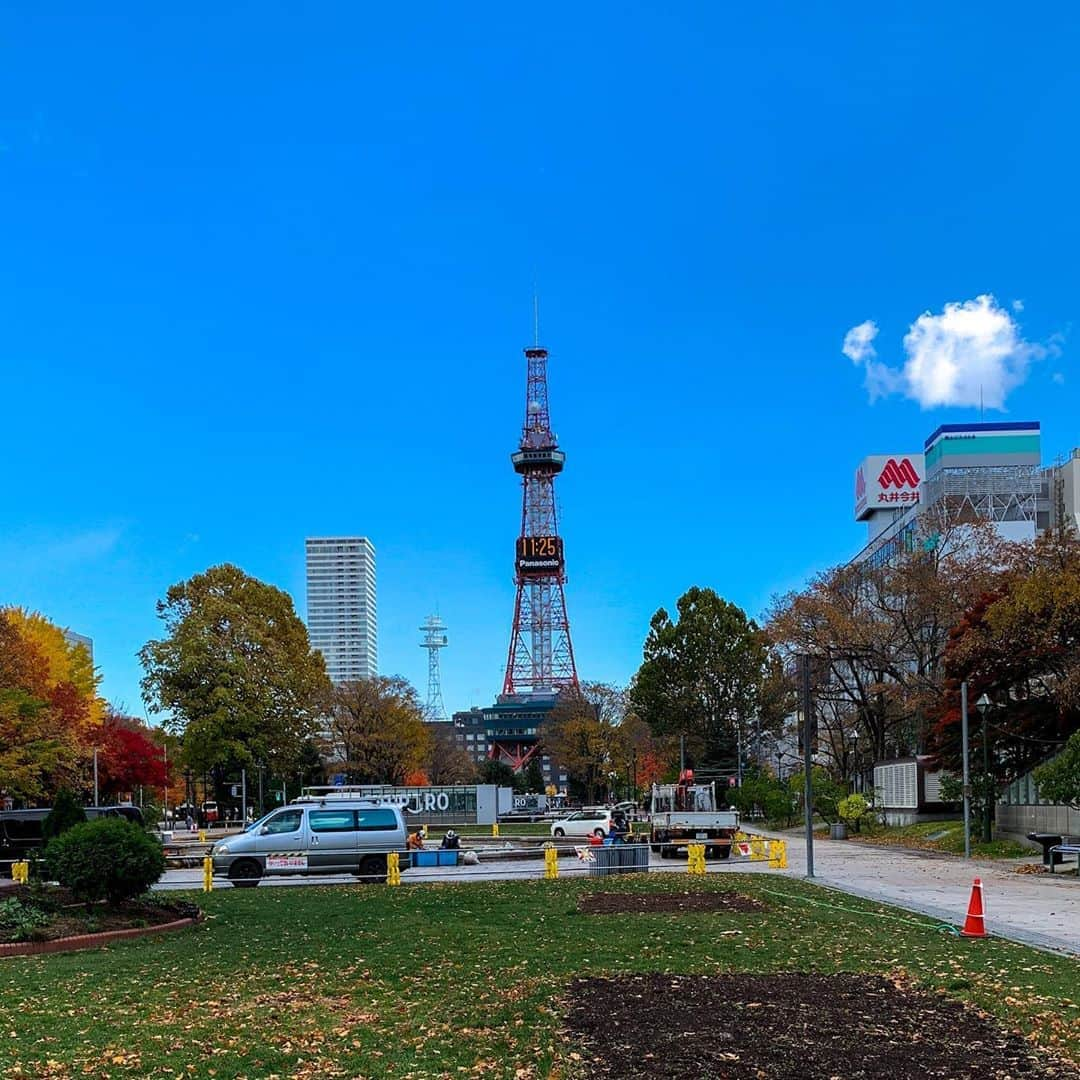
x=316, y=836
x=592, y=821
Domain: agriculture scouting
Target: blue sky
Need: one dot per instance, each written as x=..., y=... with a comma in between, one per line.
x=268, y=273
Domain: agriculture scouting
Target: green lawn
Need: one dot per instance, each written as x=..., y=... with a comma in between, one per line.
x=455, y=980
x=948, y=836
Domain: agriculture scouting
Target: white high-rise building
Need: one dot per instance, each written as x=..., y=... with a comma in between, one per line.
x=341, y=605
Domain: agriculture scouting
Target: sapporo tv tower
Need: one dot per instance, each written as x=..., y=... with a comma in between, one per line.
x=540, y=662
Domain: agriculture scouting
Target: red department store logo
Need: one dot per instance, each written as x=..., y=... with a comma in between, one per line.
x=898, y=476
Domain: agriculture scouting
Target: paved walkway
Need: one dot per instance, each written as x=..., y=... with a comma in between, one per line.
x=1038, y=909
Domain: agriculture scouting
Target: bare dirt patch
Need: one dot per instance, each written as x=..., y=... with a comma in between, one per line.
x=618, y=903
x=789, y=1027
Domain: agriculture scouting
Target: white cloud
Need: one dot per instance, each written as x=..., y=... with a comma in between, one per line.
x=51, y=553
x=972, y=353
x=1059, y=378
x=858, y=341
x=858, y=347
x=1018, y=305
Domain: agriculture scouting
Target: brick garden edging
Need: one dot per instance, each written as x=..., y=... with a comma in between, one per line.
x=89, y=941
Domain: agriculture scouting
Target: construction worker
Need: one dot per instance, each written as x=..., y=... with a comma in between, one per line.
x=450, y=841
x=415, y=841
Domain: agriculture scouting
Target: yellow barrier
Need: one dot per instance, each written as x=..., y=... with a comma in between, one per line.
x=393, y=869
x=20, y=872
x=777, y=855
x=208, y=874
x=695, y=859
x=495, y=829
x=757, y=849
x=202, y=836
x=551, y=864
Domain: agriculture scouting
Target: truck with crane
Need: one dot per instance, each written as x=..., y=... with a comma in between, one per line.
x=687, y=813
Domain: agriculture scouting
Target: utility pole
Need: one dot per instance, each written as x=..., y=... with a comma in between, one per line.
x=967, y=776
x=807, y=703
x=95, y=778
x=243, y=795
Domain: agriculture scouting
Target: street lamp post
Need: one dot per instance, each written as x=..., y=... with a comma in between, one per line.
x=984, y=705
x=967, y=775
x=855, y=760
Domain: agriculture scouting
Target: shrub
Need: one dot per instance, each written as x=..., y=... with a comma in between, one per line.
x=1059, y=779
x=827, y=792
x=852, y=809
x=762, y=795
x=107, y=859
x=66, y=812
x=22, y=920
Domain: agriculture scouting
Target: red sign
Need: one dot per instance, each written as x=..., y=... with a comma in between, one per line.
x=898, y=476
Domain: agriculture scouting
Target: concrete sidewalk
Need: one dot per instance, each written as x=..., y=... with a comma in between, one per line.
x=1037, y=909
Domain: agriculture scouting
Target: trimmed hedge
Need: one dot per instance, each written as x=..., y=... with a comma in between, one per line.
x=107, y=859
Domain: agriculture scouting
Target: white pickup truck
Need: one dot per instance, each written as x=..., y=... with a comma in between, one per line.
x=686, y=813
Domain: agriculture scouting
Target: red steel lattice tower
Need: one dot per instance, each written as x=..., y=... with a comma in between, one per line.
x=541, y=657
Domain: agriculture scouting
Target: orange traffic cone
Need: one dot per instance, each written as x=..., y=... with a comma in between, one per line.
x=975, y=923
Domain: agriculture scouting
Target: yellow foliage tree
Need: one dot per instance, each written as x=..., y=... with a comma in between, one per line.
x=68, y=662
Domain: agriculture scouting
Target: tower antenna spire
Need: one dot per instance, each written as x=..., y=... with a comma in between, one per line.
x=536, y=317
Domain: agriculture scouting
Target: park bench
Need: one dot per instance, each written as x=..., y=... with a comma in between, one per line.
x=1070, y=845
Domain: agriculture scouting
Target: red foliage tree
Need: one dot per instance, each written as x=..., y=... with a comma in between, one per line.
x=1009, y=656
x=128, y=757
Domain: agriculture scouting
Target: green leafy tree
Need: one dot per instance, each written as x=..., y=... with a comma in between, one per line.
x=702, y=676
x=496, y=772
x=65, y=813
x=1059, y=779
x=828, y=792
x=235, y=673
x=533, y=777
x=761, y=795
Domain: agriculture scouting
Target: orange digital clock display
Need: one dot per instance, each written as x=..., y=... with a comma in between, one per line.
x=538, y=555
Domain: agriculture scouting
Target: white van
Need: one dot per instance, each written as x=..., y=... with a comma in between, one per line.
x=316, y=835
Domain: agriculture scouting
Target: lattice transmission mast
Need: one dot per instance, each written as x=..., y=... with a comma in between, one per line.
x=541, y=656
x=434, y=631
